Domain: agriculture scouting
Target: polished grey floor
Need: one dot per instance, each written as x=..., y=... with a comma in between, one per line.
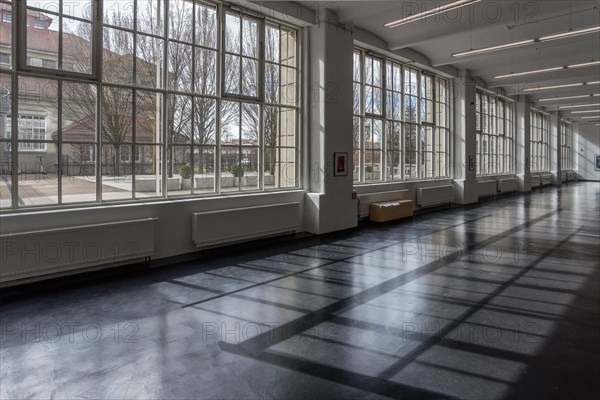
x=495, y=301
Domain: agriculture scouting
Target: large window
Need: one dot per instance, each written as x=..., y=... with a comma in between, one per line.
x=540, y=149
x=182, y=97
x=566, y=142
x=401, y=126
x=495, y=134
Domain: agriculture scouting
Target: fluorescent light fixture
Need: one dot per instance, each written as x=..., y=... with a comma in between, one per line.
x=493, y=48
x=580, y=106
x=511, y=45
x=560, y=86
x=594, y=117
x=429, y=13
x=570, y=34
x=584, y=112
x=553, y=87
x=539, y=71
x=570, y=97
x=583, y=65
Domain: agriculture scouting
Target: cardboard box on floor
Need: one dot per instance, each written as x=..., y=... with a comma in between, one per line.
x=390, y=210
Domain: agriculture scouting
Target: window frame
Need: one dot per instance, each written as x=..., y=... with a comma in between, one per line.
x=261, y=22
x=284, y=161
x=405, y=125
x=24, y=22
x=494, y=127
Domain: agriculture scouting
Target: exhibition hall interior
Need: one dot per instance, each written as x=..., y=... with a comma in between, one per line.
x=235, y=199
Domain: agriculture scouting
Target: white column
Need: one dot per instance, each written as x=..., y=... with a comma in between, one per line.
x=465, y=141
x=329, y=204
x=523, y=145
x=555, y=145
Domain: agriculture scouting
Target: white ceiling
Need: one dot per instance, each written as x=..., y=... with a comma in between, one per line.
x=490, y=23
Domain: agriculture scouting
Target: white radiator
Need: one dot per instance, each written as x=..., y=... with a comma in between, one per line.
x=214, y=228
x=536, y=181
x=368, y=198
x=546, y=179
x=60, y=250
x=435, y=195
x=486, y=188
x=571, y=176
x=507, y=185
x=563, y=176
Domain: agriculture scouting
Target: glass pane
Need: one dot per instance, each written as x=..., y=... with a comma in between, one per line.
x=377, y=134
x=6, y=185
x=77, y=46
x=119, y=13
x=232, y=74
x=204, y=170
x=230, y=123
x=377, y=73
x=206, y=71
x=377, y=165
x=180, y=60
x=231, y=171
x=149, y=62
x=271, y=121
x=410, y=108
x=5, y=108
x=249, y=77
x=282, y=172
x=181, y=14
x=42, y=38
x=232, y=33
x=38, y=173
x=180, y=167
x=45, y=5
x=150, y=16
x=369, y=99
x=250, y=124
x=250, y=38
x=117, y=115
x=249, y=168
x=377, y=101
x=205, y=121
x=206, y=26
x=271, y=83
x=356, y=165
x=287, y=122
x=118, y=56
x=116, y=161
x=149, y=122
x=78, y=166
x=6, y=19
x=79, y=101
x=356, y=98
x=289, y=86
x=180, y=119
x=148, y=176
x=288, y=48
x=410, y=146
x=272, y=43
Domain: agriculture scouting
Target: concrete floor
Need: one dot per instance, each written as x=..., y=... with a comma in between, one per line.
x=496, y=301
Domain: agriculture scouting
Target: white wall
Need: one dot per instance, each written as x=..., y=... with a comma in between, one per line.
x=173, y=235
x=587, y=145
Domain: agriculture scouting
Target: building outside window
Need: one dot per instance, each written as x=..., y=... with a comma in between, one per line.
x=206, y=97
x=32, y=132
x=401, y=121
